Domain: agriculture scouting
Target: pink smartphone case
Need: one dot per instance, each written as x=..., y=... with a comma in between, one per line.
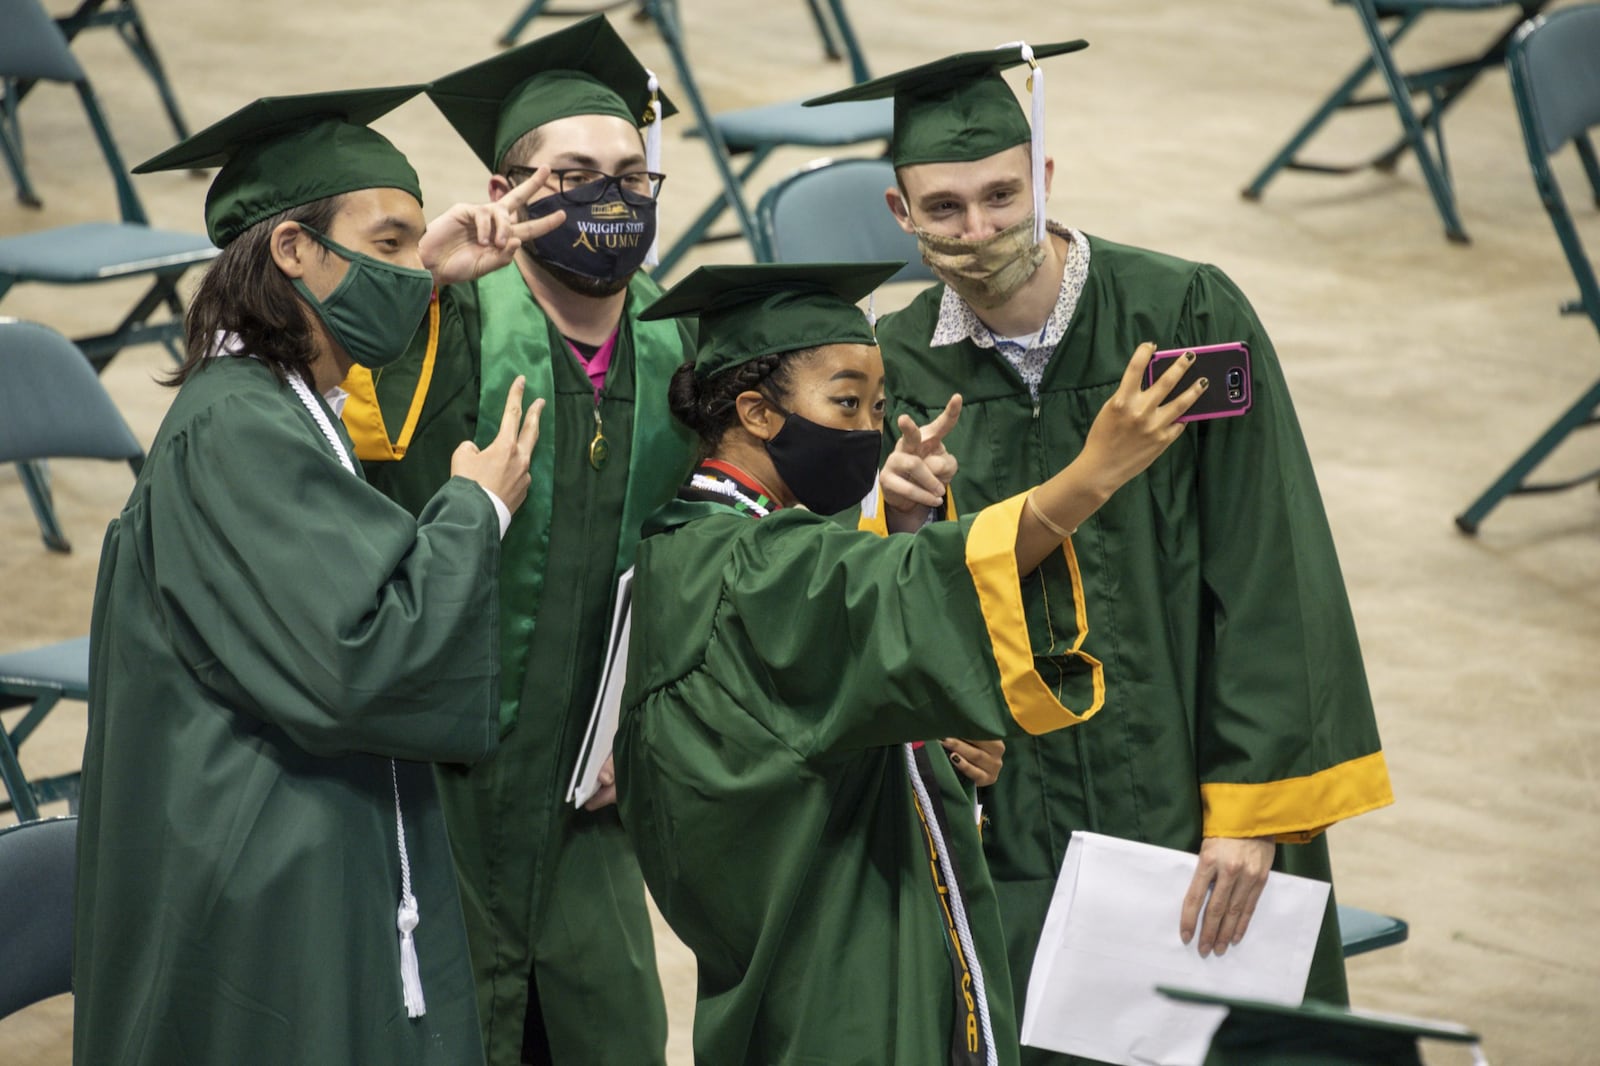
x=1212, y=361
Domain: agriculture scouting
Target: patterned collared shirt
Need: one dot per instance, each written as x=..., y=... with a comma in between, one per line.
x=1028, y=355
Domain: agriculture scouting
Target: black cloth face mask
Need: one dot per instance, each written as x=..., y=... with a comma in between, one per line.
x=604, y=242
x=826, y=469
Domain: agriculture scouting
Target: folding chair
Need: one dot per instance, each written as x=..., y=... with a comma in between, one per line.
x=1443, y=85
x=1555, y=80
x=833, y=211
x=1362, y=931
x=53, y=406
x=32, y=46
x=125, y=19
x=39, y=678
x=38, y=868
x=755, y=131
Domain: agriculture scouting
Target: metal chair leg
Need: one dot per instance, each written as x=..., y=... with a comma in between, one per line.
x=665, y=15
x=130, y=27
x=1591, y=167
x=36, y=486
x=520, y=23
x=698, y=229
x=11, y=143
x=1400, y=93
x=1585, y=412
x=852, y=46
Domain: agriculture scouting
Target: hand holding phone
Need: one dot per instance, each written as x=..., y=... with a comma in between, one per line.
x=1227, y=366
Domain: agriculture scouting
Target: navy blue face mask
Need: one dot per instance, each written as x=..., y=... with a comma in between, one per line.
x=603, y=243
x=826, y=469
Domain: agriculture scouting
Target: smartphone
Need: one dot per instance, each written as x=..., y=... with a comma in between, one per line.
x=1226, y=366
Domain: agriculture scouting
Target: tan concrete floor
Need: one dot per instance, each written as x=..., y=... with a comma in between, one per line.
x=1419, y=368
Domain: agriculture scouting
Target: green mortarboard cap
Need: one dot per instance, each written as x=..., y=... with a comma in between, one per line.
x=1256, y=1033
x=283, y=151
x=754, y=310
x=585, y=69
x=954, y=110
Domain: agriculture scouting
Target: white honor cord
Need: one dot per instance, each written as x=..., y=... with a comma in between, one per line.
x=958, y=906
x=652, y=151
x=408, y=917
x=705, y=484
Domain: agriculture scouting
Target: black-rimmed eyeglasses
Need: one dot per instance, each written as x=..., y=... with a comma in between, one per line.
x=580, y=186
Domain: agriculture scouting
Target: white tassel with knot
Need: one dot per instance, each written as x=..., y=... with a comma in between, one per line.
x=1036, y=140
x=652, y=152
x=408, y=918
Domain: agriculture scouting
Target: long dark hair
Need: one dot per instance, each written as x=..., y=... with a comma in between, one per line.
x=245, y=293
x=709, y=407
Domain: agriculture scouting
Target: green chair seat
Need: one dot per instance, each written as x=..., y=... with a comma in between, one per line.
x=1362, y=931
x=63, y=666
x=100, y=251
x=789, y=123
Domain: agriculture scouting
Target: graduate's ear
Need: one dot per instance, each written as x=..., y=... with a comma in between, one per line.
x=897, y=207
x=499, y=185
x=290, y=247
x=757, y=416
x=1049, y=173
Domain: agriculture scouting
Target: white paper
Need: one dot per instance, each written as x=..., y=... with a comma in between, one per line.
x=602, y=729
x=1111, y=936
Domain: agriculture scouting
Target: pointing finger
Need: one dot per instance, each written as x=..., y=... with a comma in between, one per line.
x=512, y=419
x=935, y=431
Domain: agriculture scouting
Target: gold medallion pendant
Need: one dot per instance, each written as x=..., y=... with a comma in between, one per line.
x=599, y=448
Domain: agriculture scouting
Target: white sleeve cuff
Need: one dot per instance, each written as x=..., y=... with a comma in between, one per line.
x=501, y=511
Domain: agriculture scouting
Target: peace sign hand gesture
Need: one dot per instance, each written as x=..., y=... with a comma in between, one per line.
x=918, y=472
x=471, y=240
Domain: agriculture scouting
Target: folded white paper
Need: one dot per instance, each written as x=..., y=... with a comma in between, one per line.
x=602, y=729
x=1111, y=936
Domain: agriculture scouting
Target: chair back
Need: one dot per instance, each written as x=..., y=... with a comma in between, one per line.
x=1554, y=64
x=32, y=47
x=38, y=865
x=51, y=403
x=833, y=212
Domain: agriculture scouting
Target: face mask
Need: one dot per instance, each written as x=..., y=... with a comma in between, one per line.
x=826, y=469
x=603, y=243
x=985, y=272
x=376, y=308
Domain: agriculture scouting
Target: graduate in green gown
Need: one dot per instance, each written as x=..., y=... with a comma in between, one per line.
x=823, y=866
x=561, y=940
x=1237, y=722
x=278, y=651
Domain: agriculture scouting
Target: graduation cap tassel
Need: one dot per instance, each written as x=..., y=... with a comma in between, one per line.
x=872, y=313
x=408, y=917
x=1036, y=139
x=652, y=151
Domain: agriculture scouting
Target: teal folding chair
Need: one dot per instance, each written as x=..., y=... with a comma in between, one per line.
x=1555, y=80
x=1362, y=931
x=38, y=871
x=32, y=46
x=122, y=16
x=1443, y=86
x=38, y=679
x=833, y=211
x=53, y=406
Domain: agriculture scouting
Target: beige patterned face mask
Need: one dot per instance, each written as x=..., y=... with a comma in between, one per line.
x=984, y=272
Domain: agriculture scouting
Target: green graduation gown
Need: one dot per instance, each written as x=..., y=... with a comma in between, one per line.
x=775, y=668
x=1236, y=702
x=550, y=892
x=268, y=633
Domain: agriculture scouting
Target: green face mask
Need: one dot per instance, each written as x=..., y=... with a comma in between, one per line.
x=376, y=308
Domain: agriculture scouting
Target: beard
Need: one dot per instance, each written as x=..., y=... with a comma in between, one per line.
x=581, y=284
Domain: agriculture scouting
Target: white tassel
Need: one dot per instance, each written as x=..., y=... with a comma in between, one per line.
x=1478, y=1057
x=872, y=314
x=652, y=152
x=408, y=917
x=1036, y=139
x=410, y=971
